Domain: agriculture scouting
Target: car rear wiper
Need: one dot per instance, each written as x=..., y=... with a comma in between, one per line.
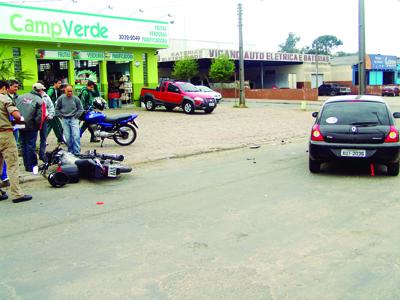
x=364, y=124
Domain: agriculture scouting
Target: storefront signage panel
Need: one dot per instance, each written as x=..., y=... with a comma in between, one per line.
x=87, y=55
x=53, y=54
x=247, y=55
x=40, y=24
x=381, y=62
x=119, y=56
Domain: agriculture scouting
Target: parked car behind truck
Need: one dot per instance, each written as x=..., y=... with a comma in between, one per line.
x=333, y=89
x=171, y=94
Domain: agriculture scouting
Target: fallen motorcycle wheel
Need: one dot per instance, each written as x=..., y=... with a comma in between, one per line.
x=126, y=135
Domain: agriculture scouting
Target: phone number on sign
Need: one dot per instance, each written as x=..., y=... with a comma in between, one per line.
x=129, y=37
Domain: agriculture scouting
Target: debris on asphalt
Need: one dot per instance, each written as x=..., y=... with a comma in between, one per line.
x=99, y=203
x=255, y=146
x=251, y=158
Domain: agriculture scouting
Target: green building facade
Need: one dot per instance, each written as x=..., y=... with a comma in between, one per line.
x=119, y=54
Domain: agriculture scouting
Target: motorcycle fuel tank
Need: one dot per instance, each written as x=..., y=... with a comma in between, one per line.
x=94, y=117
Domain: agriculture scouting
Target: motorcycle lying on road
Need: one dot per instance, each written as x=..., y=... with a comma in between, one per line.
x=121, y=128
x=70, y=168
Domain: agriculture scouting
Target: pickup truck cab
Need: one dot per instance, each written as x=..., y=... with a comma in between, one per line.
x=171, y=94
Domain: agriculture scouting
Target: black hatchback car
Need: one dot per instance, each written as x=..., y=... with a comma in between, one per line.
x=357, y=128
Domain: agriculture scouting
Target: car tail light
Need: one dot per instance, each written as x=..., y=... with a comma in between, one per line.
x=393, y=136
x=316, y=134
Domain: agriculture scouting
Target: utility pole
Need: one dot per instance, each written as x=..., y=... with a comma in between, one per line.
x=361, y=48
x=242, y=101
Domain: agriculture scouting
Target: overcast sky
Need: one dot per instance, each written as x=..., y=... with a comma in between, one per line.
x=266, y=22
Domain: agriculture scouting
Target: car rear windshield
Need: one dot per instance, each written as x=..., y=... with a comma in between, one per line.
x=355, y=113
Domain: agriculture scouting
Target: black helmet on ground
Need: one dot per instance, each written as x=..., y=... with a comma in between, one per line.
x=58, y=179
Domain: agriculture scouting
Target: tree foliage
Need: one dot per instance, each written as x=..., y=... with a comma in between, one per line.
x=325, y=44
x=221, y=69
x=185, y=69
x=289, y=46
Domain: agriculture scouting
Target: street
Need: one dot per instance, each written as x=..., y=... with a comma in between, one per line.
x=241, y=224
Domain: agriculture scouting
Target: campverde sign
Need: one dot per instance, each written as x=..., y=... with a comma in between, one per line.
x=49, y=25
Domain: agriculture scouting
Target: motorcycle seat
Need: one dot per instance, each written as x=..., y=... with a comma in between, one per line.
x=117, y=118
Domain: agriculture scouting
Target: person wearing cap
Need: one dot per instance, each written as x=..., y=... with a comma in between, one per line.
x=8, y=146
x=33, y=109
x=69, y=109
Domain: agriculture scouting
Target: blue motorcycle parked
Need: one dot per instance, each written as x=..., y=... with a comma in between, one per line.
x=121, y=128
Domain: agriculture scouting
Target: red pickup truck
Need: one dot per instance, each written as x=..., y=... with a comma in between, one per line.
x=171, y=94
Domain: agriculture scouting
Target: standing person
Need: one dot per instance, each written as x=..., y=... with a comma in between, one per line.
x=69, y=109
x=86, y=97
x=8, y=146
x=12, y=95
x=32, y=108
x=49, y=115
x=55, y=123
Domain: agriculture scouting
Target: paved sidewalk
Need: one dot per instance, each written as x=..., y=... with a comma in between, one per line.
x=164, y=135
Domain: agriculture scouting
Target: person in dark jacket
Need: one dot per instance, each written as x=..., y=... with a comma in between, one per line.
x=55, y=123
x=86, y=97
x=32, y=108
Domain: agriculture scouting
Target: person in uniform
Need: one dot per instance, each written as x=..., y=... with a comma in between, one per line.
x=8, y=146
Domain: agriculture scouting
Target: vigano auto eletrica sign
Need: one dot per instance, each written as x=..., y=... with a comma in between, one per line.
x=50, y=25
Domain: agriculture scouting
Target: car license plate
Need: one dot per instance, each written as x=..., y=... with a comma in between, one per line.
x=211, y=104
x=353, y=153
x=112, y=171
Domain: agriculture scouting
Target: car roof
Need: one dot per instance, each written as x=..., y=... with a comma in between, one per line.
x=355, y=97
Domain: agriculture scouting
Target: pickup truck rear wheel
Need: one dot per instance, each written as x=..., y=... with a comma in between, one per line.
x=188, y=107
x=333, y=93
x=150, y=105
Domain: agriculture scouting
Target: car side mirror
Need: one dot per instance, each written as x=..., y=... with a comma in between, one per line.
x=315, y=114
x=396, y=115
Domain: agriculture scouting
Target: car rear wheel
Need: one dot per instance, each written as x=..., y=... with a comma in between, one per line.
x=332, y=93
x=314, y=166
x=393, y=169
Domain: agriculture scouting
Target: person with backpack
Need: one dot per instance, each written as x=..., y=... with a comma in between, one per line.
x=55, y=123
x=86, y=97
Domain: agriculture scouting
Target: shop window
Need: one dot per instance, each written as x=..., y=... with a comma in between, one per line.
x=145, y=70
x=63, y=65
x=44, y=67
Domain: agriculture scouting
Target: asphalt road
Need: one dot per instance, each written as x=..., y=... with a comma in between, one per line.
x=244, y=224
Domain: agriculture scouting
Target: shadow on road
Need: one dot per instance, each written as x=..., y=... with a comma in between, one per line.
x=352, y=169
